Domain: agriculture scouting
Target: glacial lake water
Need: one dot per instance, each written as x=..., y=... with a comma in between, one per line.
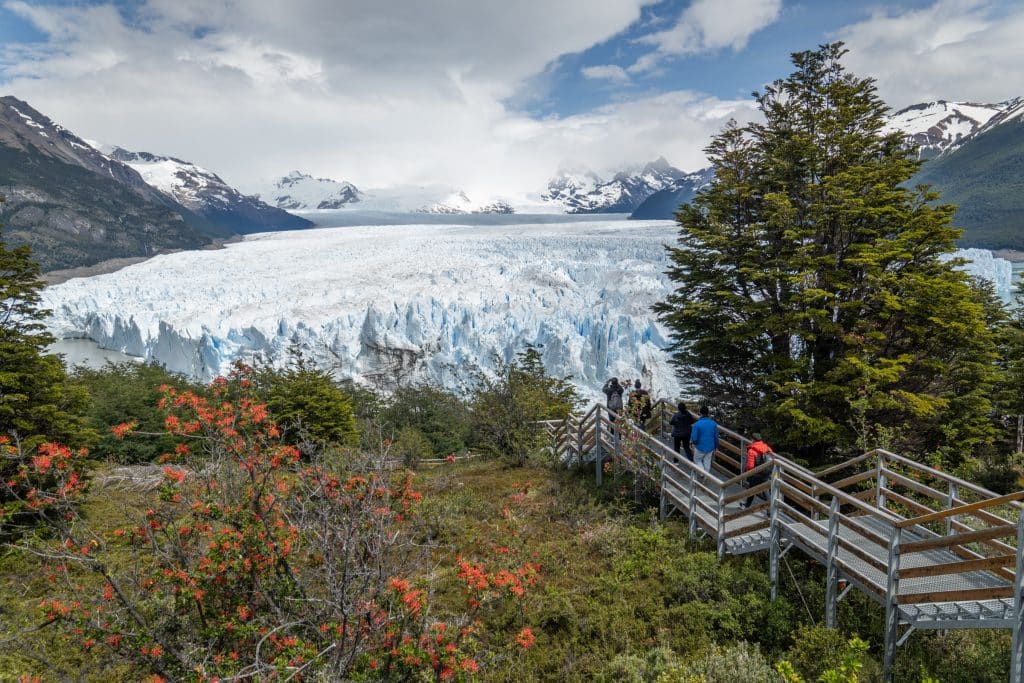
x=88, y=353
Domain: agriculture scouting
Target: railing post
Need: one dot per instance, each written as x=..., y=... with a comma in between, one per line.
x=692, y=503
x=1017, y=647
x=880, y=481
x=773, y=533
x=892, y=613
x=721, y=523
x=954, y=493
x=598, y=449
x=663, y=501
x=579, y=440
x=831, y=571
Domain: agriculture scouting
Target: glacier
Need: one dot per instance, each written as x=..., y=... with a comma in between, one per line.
x=422, y=302
x=433, y=303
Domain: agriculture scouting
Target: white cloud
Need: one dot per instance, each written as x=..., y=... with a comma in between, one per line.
x=707, y=26
x=253, y=89
x=609, y=72
x=953, y=49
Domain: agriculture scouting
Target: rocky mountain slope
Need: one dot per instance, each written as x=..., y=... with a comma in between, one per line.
x=299, y=191
x=664, y=203
x=204, y=192
x=939, y=127
x=74, y=205
x=586, y=192
x=984, y=177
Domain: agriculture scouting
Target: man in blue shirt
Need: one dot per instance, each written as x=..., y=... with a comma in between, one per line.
x=704, y=439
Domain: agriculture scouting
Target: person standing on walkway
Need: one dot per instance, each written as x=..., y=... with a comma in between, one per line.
x=758, y=453
x=682, y=423
x=640, y=405
x=613, y=390
x=704, y=437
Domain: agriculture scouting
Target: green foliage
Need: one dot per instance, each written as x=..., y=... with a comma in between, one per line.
x=128, y=392
x=811, y=298
x=439, y=415
x=307, y=403
x=819, y=653
x=739, y=662
x=506, y=409
x=641, y=668
x=36, y=402
x=412, y=446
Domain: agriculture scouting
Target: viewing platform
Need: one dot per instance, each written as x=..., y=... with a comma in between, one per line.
x=935, y=551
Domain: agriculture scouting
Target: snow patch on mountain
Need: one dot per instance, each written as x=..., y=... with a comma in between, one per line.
x=188, y=184
x=427, y=301
x=460, y=203
x=940, y=127
x=586, y=192
x=302, y=192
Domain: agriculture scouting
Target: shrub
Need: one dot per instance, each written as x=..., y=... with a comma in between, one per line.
x=308, y=405
x=411, y=446
x=439, y=415
x=236, y=569
x=506, y=409
x=739, y=662
x=645, y=668
x=128, y=392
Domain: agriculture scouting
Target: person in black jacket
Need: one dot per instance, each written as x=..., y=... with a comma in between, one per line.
x=681, y=423
x=613, y=390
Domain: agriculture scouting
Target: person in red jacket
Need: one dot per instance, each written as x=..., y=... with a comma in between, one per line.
x=758, y=452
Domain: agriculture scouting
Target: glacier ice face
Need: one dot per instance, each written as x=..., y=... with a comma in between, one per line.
x=433, y=302
x=430, y=302
x=983, y=264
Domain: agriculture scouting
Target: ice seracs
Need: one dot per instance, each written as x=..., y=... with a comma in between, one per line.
x=429, y=302
x=432, y=303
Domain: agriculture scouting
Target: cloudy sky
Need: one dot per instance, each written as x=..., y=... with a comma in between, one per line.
x=492, y=96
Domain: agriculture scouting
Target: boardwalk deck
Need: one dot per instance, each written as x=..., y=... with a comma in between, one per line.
x=935, y=551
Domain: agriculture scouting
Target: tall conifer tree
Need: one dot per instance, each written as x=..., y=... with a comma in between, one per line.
x=811, y=299
x=36, y=402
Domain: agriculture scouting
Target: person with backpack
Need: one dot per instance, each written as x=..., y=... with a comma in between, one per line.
x=681, y=423
x=613, y=390
x=758, y=453
x=704, y=437
x=640, y=405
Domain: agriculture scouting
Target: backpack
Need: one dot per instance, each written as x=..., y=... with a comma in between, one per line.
x=762, y=458
x=615, y=401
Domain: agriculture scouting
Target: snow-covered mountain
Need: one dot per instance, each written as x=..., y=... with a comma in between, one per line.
x=459, y=203
x=299, y=191
x=204, y=192
x=586, y=192
x=941, y=127
x=75, y=205
x=426, y=301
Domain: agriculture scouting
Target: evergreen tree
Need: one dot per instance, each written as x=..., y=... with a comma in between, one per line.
x=307, y=403
x=811, y=298
x=36, y=402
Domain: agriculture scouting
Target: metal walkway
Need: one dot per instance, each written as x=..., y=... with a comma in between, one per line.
x=935, y=551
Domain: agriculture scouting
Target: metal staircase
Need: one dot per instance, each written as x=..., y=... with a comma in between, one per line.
x=935, y=551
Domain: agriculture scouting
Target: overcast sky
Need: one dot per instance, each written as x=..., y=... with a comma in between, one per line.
x=492, y=96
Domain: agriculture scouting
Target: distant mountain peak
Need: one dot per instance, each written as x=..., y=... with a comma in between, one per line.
x=586, y=192
x=204, y=192
x=300, y=191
